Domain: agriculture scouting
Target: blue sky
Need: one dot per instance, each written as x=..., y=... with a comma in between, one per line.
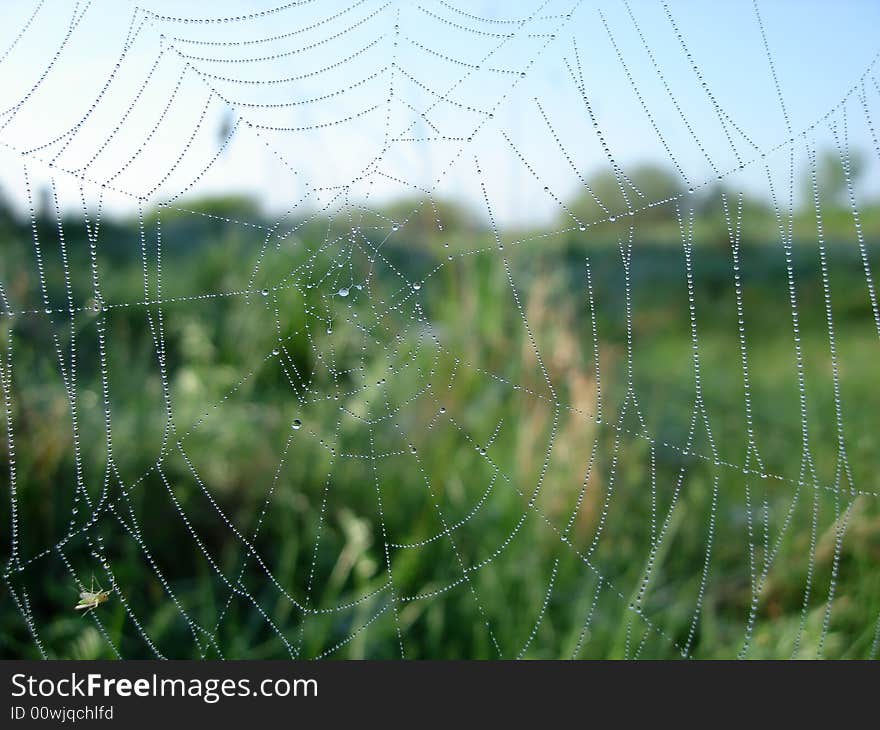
x=332, y=118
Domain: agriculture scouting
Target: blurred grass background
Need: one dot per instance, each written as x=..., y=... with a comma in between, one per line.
x=520, y=519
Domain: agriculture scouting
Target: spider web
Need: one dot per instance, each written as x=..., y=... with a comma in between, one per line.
x=447, y=453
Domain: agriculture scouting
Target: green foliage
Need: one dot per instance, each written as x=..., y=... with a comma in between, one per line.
x=239, y=367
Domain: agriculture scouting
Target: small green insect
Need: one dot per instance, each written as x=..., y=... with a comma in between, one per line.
x=89, y=600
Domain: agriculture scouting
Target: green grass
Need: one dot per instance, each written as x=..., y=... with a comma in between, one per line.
x=502, y=550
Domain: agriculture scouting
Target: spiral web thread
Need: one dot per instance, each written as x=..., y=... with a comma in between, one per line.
x=329, y=72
